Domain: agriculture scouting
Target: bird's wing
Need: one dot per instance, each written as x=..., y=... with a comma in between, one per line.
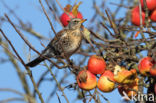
x=59, y=37
x=54, y=48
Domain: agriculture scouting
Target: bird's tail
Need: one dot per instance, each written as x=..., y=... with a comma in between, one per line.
x=35, y=62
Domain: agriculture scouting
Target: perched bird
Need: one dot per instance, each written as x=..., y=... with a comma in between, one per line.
x=65, y=43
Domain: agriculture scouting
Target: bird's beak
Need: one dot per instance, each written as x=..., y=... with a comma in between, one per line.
x=83, y=20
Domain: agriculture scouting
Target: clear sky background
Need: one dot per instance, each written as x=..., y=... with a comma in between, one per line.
x=30, y=11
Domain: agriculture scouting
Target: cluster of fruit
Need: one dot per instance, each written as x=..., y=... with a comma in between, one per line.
x=135, y=14
x=126, y=80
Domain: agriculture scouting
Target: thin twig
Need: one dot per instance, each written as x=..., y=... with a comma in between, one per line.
x=59, y=86
x=11, y=90
x=28, y=70
x=51, y=25
x=27, y=42
x=11, y=100
x=113, y=25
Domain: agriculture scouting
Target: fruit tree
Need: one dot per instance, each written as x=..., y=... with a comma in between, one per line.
x=111, y=57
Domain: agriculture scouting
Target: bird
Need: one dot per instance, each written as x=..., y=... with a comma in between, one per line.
x=65, y=43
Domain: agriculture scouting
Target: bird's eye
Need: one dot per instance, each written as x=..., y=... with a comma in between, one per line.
x=75, y=21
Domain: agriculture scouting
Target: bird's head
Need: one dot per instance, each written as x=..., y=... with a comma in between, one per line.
x=75, y=23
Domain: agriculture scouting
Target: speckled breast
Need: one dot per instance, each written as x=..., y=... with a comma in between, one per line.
x=73, y=44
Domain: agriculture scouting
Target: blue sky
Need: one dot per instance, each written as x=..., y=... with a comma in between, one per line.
x=30, y=11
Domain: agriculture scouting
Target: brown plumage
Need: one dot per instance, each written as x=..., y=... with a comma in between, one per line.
x=66, y=42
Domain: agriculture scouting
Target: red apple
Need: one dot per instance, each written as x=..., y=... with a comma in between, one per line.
x=65, y=18
x=96, y=64
x=106, y=81
x=86, y=80
x=144, y=66
x=153, y=15
x=135, y=16
x=151, y=4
